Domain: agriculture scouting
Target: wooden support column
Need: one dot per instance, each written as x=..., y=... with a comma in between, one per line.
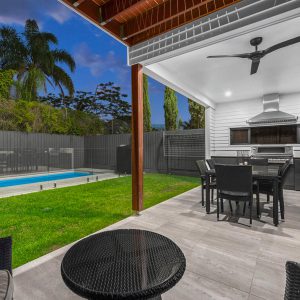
x=137, y=138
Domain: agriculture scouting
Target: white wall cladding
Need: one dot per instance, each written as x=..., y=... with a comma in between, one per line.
x=235, y=114
x=239, y=15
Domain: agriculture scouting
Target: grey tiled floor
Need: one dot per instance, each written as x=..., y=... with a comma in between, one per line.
x=225, y=260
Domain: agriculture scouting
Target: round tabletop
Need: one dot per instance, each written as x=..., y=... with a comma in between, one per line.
x=123, y=264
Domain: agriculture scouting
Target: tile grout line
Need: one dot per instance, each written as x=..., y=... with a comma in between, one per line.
x=198, y=275
x=253, y=278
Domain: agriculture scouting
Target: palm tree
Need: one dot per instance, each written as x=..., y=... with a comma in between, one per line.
x=32, y=55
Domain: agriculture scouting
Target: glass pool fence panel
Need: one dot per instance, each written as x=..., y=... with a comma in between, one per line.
x=38, y=169
x=16, y=161
x=62, y=159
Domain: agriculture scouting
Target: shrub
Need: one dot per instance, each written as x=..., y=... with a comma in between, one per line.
x=7, y=117
x=82, y=123
x=6, y=82
x=33, y=116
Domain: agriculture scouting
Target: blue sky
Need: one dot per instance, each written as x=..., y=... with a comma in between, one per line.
x=99, y=58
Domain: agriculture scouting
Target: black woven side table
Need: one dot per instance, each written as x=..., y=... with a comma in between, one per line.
x=123, y=264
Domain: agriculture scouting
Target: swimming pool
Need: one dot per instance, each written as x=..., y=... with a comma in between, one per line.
x=41, y=178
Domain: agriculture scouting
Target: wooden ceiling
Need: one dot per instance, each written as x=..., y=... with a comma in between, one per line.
x=135, y=21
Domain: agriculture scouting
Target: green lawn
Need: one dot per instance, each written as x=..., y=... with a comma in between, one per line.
x=44, y=221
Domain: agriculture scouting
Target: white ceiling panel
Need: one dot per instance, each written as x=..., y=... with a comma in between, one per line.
x=208, y=80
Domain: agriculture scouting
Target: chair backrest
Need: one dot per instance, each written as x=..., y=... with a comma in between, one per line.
x=211, y=163
x=258, y=161
x=201, y=165
x=234, y=178
x=292, y=288
x=6, y=254
x=283, y=171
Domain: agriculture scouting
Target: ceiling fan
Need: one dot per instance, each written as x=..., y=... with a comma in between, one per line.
x=257, y=55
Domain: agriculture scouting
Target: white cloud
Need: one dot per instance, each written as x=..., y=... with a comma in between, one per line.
x=10, y=20
x=60, y=15
x=97, y=64
x=18, y=11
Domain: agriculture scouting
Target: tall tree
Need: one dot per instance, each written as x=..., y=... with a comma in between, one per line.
x=108, y=104
x=197, y=112
x=171, y=109
x=146, y=105
x=112, y=105
x=32, y=55
x=80, y=101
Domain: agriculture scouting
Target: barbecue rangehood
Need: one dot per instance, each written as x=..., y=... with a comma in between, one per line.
x=271, y=113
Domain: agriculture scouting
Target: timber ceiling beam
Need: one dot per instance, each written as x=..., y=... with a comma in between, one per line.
x=113, y=9
x=169, y=15
x=135, y=21
x=122, y=11
x=91, y=9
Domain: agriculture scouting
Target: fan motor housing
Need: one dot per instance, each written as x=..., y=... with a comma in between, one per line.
x=256, y=41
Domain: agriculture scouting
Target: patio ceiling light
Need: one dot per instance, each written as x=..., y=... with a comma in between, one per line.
x=76, y=3
x=228, y=93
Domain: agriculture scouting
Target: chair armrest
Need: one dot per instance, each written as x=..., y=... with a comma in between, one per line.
x=292, y=289
x=6, y=285
x=6, y=254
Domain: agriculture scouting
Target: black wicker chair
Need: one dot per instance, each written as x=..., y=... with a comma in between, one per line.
x=292, y=288
x=211, y=163
x=234, y=183
x=6, y=280
x=259, y=162
x=202, y=168
x=6, y=254
x=266, y=187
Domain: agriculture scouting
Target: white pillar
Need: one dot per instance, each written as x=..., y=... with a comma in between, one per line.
x=209, y=132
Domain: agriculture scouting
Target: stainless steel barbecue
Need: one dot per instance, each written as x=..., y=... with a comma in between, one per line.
x=274, y=154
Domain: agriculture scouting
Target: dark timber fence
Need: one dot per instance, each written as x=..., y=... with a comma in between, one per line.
x=165, y=152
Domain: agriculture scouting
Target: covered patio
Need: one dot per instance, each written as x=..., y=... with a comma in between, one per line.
x=225, y=259
x=170, y=41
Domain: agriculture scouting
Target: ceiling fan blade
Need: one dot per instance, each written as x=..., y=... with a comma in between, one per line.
x=283, y=44
x=243, y=55
x=254, y=66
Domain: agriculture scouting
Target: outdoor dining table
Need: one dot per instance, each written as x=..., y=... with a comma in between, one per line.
x=123, y=264
x=259, y=173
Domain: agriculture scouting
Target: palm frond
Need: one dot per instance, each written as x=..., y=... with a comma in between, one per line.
x=31, y=29
x=63, y=56
x=49, y=37
x=7, y=32
x=40, y=53
x=60, y=77
x=49, y=81
x=36, y=45
x=12, y=49
x=30, y=83
x=34, y=59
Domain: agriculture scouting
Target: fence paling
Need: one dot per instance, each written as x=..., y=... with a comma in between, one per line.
x=166, y=152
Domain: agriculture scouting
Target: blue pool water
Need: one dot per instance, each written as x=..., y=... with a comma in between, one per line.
x=41, y=178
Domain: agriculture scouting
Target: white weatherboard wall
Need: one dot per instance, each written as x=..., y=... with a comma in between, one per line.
x=235, y=114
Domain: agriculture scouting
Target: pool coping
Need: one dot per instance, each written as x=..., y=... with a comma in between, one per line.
x=11, y=191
